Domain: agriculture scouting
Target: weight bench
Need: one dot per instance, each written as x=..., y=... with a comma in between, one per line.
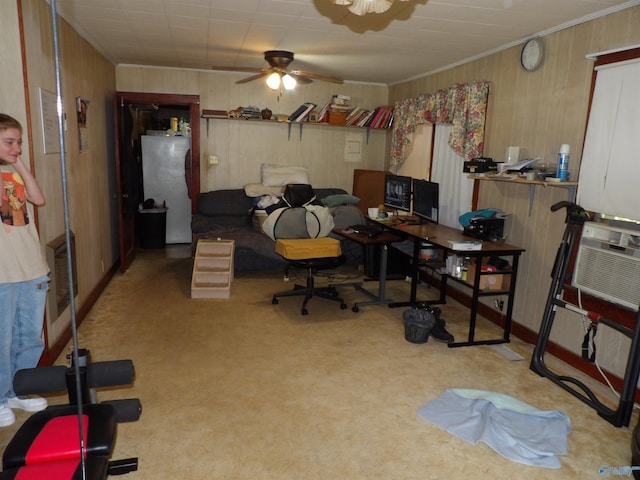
x=47, y=445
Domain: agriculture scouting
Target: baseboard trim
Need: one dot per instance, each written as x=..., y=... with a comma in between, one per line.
x=529, y=336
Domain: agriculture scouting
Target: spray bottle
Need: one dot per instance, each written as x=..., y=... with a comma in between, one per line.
x=563, y=163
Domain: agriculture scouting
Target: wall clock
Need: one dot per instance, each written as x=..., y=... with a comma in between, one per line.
x=531, y=55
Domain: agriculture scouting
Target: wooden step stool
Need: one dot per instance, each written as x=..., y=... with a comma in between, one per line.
x=212, y=269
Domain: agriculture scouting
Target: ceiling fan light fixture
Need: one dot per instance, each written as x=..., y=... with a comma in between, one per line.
x=289, y=82
x=273, y=81
x=362, y=7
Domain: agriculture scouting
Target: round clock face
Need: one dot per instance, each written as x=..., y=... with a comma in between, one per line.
x=531, y=56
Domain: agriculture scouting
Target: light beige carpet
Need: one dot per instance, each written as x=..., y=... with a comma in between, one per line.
x=243, y=389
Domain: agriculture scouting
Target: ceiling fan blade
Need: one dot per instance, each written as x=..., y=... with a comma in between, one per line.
x=317, y=76
x=238, y=69
x=252, y=77
x=300, y=78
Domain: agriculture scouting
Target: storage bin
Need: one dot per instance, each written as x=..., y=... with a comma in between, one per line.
x=489, y=282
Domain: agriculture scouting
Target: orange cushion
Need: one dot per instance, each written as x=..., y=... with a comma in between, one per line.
x=307, y=248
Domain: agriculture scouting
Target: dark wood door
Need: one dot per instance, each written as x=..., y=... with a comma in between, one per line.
x=128, y=166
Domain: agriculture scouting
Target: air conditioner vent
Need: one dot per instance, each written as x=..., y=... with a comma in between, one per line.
x=608, y=265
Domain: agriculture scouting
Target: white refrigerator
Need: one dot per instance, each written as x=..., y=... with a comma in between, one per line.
x=163, y=162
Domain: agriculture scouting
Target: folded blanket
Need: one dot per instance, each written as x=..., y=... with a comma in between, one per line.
x=512, y=428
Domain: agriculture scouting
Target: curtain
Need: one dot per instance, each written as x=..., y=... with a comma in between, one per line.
x=456, y=190
x=463, y=106
x=610, y=167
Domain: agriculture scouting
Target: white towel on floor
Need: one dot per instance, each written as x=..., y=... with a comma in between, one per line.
x=512, y=428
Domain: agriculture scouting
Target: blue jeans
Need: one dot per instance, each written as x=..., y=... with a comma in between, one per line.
x=21, y=322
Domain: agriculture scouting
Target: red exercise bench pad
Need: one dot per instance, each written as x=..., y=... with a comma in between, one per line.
x=70, y=469
x=53, y=434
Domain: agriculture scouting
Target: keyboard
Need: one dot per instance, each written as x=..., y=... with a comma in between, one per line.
x=369, y=230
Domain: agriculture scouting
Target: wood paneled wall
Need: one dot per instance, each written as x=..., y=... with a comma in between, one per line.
x=243, y=146
x=539, y=111
x=90, y=174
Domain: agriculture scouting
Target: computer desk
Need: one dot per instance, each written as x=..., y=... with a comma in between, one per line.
x=383, y=239
x=439, y=237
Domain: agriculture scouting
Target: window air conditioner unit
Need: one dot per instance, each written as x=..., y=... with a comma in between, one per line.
x=608, y=264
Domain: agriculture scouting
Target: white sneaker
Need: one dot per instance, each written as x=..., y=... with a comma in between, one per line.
x=6, y=416
x=29, y=404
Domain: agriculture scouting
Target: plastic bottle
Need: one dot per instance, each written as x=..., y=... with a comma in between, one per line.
x=563, y=163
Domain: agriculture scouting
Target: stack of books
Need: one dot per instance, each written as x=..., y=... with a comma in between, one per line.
x=339, y=107
x=302, y=112
x=382, y=117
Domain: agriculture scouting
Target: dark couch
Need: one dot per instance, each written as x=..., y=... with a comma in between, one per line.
x=226, y=214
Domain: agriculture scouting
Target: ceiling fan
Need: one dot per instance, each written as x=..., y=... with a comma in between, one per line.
x=278, y=73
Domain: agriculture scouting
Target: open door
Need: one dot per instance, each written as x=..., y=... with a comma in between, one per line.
x=128, y=164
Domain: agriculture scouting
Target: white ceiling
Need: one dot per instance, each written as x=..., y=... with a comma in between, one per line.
x=411, y=39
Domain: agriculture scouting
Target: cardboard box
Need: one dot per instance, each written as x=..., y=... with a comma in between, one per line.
x=337, y=117
x=489, y=282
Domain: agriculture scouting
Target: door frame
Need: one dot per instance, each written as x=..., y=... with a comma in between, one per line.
x=192, y=163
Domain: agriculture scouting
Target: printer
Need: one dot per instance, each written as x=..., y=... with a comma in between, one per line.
x=488, y=225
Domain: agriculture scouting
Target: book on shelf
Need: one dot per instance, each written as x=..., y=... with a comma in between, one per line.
x=384, y=118
x=310, y=108
x=353, y=114
x=373, y=117
x=323, y=113
x=365, y=120
x=301, y=112
x=358, y=118
x=463, y=245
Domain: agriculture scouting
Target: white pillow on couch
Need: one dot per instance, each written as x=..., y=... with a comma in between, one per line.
x=280, y=175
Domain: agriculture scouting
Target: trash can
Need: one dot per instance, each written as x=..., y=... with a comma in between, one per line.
x=152, y=227
x=417, y=325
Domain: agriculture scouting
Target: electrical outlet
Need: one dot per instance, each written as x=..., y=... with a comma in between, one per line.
x=213, y=160
x=499, y=304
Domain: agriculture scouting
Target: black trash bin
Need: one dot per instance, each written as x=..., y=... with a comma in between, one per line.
x=152, y=227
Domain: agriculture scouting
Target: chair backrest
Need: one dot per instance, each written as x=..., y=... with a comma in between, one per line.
x=298, y=195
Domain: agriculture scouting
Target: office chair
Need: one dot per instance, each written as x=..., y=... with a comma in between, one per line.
x=311, y=254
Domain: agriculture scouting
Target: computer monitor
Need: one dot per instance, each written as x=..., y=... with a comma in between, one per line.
x=426, y=199
x=397, y=192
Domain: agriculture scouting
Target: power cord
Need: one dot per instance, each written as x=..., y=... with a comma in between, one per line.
x=586, y=326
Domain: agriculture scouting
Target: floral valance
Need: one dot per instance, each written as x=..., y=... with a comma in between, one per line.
x=463, y=105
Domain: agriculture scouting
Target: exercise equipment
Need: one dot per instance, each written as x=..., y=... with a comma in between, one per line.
x=75, y=441
x=48, y=444
x=621, y=415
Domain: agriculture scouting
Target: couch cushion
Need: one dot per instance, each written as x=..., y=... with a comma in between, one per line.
x=224, y=202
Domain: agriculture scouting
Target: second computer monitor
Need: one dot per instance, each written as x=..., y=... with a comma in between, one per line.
x=426, y=199
x=397, y=192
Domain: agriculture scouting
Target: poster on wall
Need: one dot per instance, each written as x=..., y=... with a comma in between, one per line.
x=49, y=117
x=82, y=104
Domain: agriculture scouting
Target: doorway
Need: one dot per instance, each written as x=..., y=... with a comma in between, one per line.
x=134, y=115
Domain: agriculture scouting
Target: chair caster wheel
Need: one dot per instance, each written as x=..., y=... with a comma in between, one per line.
x=355, y=309
x=343, y=306
x=274, y=301
x=305, y=311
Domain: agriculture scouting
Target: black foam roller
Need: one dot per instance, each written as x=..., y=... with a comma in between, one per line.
x=31, y=381
x=127, y=410
x=110, y=374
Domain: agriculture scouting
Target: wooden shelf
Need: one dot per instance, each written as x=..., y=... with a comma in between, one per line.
x=569, y=186
x=290, y=124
